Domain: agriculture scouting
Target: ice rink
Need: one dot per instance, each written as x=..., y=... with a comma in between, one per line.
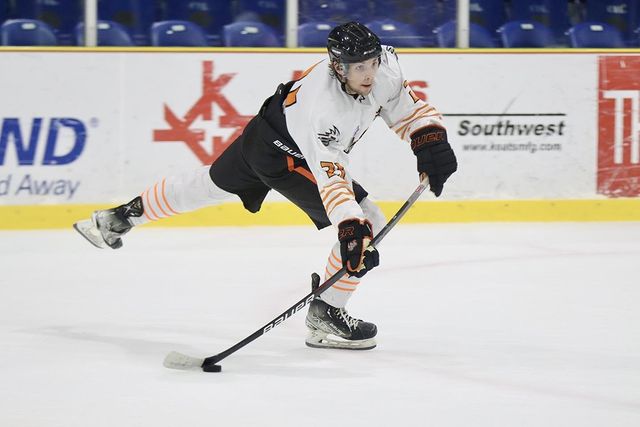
x=519, y=324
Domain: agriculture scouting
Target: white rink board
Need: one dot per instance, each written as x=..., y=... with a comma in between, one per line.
x=117, y=100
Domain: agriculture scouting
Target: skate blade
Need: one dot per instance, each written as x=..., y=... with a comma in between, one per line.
x=88, y=230
x=318, y=339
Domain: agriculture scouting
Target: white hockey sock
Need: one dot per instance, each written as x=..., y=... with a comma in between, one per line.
x=338, y=294
x=178, y=194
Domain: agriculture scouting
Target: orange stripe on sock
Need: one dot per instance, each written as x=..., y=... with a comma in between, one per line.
x=153, y=213
x=332, y=264
x=164, y=198
x=144, y=211
x=347, y=282
x=155, y=194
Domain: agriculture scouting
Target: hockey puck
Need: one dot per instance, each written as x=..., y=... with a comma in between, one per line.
x=212, y=368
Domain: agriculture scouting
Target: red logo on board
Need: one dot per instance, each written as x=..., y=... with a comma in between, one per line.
x=180, y=128
x=619, y=126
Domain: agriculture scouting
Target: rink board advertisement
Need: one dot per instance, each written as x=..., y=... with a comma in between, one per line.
x=100, y=127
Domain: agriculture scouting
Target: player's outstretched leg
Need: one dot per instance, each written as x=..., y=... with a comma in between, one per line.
x=333, y=327
x=171, y=196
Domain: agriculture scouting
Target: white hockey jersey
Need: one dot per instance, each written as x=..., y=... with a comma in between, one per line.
x=326, y=122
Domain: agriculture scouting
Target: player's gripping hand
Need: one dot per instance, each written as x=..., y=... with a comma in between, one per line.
x=357, y=257
x=435, y=156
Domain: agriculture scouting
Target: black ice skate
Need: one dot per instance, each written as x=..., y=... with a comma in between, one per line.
x=106, y=227
x=332, y=327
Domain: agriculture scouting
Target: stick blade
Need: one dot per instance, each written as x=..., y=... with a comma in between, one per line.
x=175, y=360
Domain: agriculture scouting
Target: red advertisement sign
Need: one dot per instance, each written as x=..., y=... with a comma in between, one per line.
x=619, y=126
x=180, y=129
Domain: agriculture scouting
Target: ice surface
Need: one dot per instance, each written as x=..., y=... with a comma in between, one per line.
x=480, y=325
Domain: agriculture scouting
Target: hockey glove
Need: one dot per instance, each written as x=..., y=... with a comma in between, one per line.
x=357, y=257
x=435, y=156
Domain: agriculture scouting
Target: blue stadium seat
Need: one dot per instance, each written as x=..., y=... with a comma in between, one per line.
x=553, y=14
x=478, y=35
x=136, y=15
x=109, y=34
x=314, y=34
x=596, y=35
x=490, y=14
x=27, y=32
x=177, y=34
x=210, y=15
x=396, y=33
x=525, y=34
x=622, y=14
x=422, y=15
x=270, y=12
x=339, y=11
x=61, y=15
x=250, y=34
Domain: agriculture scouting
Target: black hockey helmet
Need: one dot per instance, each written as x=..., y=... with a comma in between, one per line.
x=353, y=42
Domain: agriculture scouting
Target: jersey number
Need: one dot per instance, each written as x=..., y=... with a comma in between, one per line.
x=333, y=169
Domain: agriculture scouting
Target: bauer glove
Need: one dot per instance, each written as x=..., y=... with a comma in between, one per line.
x=435, y=156
x=357, y=256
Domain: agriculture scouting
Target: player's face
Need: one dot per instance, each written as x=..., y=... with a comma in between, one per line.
x=361, y=75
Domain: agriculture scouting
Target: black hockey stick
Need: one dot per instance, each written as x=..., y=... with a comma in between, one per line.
x=175, y=360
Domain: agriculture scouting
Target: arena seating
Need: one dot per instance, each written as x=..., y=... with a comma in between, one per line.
x=595, y=35
x=624, y=15
x=110, y=33
x=136, y=15
x=478, y=35
x=177, y=33
x=525, y=34
x=314, y=34
x=396, y=33
x=250, y=34
x=269, y=12
x=402, y=23
x=61, y=15
x=27, y=32
x=553, y=14
x=210, y=15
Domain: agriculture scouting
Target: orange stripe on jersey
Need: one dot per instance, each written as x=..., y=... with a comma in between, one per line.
x=407, y=127
x=335, y=194
x=299, y=169
x=292, y=97
x=307, y=71
x=334, y=186
x=410, y=116
x=344, y=190
x=164, y=198
x=338, y=199
x=336, y=205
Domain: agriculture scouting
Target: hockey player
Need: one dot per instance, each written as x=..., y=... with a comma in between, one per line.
x=298, y=145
